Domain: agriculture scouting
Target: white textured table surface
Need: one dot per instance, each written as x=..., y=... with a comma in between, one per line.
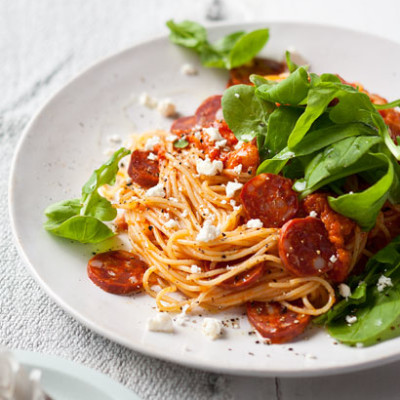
x=43, y=45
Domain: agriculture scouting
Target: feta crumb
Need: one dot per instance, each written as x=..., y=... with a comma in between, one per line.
x=313, y=214
x=351, y=319
x=152, y=157
x=155, y=191
x=239, y=144
x=344, y=290
x=223, y=202
x=197, y=135
x=220, y=143
x=166, y=108
x=149, y=146
x=232, y=187
x=114, y=139
x=383, y=282
x=182, y=318
x=333, y=258
x=184, y=214
x=213, y=133
x=254, y=223
x=128, y=180
x=208, y=232
x=211, y=328
x=189, y=69
x=238, y=169
x=194, y=269
x=237, y=95
x=171, y=224
x=162, y=322
x=172, y=138
x=232, y=203
x=148, y=101
x=209, y=168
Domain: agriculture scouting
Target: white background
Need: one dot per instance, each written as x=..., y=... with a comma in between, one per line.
x=43, y=44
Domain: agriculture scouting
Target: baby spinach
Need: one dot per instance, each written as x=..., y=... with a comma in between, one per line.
x=81, y=219
x=377, y=311
x=392, y=104
x=229, y=52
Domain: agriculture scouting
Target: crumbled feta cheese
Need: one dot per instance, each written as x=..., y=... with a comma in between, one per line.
x=232, y=188
x=152, y=157
x=238, y=169
x=171, y=224
x=383, y=282
x=223, y=202
x=114, y=139
x=184, y=214
x=197, y=135
x=171, y=138
x=166, y=108
x=209, y=168
x=220, y=143
x=189, y=69
x=149, y=146
x=232, y=203
x=237, y=95
x=333, y=259
x=219, y=115
x=128, y=180
x=155, y=191
x=182, y=318
x=208, y=232
x=254, y=223
x=148, y=101
x=213, y=133
x=239, y=144
x=351, y=319
x=300, y=185
x=344, y=290
x=313, y=214
x=195, y=269
x=162, y=322
x=211, y=328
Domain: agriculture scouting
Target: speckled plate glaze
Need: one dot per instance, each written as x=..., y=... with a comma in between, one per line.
x=66, y=140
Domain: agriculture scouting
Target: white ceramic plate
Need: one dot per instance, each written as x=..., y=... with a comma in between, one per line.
x=65, y=142
x=65, y=380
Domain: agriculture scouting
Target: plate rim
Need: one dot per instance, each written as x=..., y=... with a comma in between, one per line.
x=191, y=363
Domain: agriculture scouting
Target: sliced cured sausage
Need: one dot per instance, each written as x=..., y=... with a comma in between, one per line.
x=275, y=322
x=206, y=113
x=259, y=66
x=183, y=124
x=305, y=248
x=244, y=279
x=270, y=198
x=143, y=171
x=117, y=272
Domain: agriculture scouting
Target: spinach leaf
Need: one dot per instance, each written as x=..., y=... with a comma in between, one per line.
x=392, y=104
x=259, y=80
x=364, y=207
x=245, y=113
x=291, y=90
x=188, y=34
x=80, y=219
x=377, y=311
x=247, y=47
x=291, y=65
x=229, y=52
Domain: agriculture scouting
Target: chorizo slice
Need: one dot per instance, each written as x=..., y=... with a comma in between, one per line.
x=117, y=272
x=259, y=66
x=275, y=322
x=245, y=279
x=143, y=171
x=305, y=248
x=183, y=124
x=207, y=111
x=270, y=198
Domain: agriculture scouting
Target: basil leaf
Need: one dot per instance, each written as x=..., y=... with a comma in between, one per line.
x=188, y=34
x=392, y=104
x=291, y=90
x=181, y=143
x=247, y=47
x=83, y=229
x=364, y=207
x=245, y=113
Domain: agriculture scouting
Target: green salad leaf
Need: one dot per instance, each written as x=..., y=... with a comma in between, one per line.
x=229, y=52
x=374, y=302
x=81, y=219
